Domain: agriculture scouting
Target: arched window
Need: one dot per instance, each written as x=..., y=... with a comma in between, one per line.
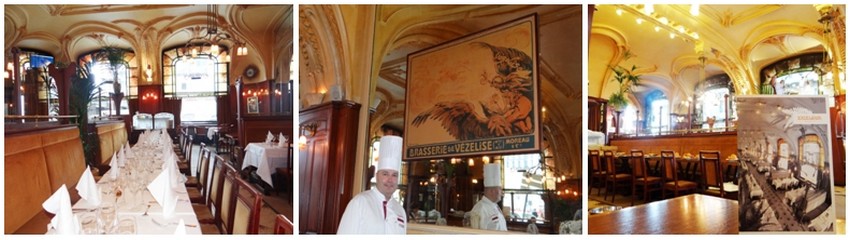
x=800, y=75
x=711, y=96
x=37, y=83
x=658, y=112
x=196, y=80
x=104, y=78
x=630, y=118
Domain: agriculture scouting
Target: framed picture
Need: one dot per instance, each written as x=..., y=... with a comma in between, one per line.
x=476, y=95
x=253, y=105
x=785, y=153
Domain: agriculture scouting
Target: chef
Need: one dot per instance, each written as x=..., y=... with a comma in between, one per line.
x=375, y=211
x=486, y=214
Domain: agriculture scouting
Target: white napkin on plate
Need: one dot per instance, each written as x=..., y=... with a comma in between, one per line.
x=281, y=140
x=181, y=228
x=161, y=190
x=113, y=167
x=88, y=189
x=60, y=204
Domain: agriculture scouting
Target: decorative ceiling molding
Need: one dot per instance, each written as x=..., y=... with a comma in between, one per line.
x=728, y=18
x=69, y=10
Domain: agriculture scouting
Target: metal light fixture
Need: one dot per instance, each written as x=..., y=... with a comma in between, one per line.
x=211, y=42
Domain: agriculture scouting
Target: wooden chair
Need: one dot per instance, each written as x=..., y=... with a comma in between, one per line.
x=194, y=181
x=238, y=158
x=615, y=179
x=202, y=209
x=214, y=199
x=712, y=175
x=597, y=173
x=228, y=197
x=641, y=177
x=282, y=225
x=670, y=175
x=185, y=165
x=246, y=208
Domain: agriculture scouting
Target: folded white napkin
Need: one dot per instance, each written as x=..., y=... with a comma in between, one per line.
x=129, y=150
x=121, y=158
x=60, y=204
x=161, y=190
x=181, y=228
x=281, y=140
x=88, y=188
x=269, y=137
x=113, y=171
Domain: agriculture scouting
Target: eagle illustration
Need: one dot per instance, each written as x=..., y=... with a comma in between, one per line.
x=507, y=113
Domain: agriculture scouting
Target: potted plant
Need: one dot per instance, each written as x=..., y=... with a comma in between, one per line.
x=115, y=57
x=82, y=92
x=626, y=79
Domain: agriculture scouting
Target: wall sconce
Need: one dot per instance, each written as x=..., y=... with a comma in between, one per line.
x=10, y=66
x=307, y=130
x=486, y=159
x=471, y=162
x=150, y=95
x=149, y=73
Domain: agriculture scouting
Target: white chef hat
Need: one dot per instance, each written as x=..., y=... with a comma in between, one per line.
x=389, y=156
x=492, y=175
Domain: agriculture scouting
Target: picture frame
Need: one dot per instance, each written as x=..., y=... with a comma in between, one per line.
x=253, y=105
x=476, y=95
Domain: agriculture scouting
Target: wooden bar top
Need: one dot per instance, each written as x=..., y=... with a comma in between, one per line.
x=690, y=214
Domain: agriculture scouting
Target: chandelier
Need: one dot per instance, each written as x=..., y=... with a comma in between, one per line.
x=213, y=39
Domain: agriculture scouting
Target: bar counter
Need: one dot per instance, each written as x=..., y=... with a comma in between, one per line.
x=690, y=214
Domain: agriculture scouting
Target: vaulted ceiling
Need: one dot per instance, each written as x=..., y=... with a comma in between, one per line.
x=738, y=40
x=67, y=31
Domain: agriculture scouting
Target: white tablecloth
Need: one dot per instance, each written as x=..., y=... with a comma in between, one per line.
x=145, y=224
x=211, y=132
x=266, y=158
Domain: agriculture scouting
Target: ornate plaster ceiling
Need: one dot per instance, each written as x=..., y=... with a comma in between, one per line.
x=738, y=40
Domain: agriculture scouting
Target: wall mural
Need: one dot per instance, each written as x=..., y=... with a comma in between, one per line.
x=476, y=95
x=786, y=182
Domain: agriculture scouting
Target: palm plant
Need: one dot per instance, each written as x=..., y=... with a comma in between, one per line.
x=82, y=92
x=626, y=79
x=115, y=57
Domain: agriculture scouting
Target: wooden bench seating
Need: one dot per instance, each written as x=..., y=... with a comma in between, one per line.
x=112, y=136
x=37, y=164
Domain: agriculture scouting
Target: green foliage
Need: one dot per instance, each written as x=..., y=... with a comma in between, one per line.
x=115, y=57
x=82, y=92
x=626, y=79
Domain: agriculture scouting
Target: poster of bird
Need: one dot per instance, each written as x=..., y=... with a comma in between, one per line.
x=476, y=95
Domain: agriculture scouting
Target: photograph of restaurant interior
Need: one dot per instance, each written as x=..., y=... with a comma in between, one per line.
x=663, y=80
x=132, y=119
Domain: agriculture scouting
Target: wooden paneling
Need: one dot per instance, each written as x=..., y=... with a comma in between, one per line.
x=726, y=143
x=327, y=165
x=255, y=128
x=838, y=118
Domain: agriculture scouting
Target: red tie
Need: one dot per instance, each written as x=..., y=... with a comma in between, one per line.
x=385, y=209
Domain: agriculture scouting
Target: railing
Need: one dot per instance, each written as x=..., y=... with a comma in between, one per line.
x=36, y=119
x=679, y=132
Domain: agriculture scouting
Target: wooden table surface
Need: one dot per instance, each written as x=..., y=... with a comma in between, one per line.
x=690, y=214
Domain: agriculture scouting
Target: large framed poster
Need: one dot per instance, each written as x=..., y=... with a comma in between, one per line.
x=476, y=95
x=786, y=183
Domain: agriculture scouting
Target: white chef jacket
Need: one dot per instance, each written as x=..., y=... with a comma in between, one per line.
x=487, y=215
x=365, y=215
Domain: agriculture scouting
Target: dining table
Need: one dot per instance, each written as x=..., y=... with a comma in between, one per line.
x=135, y=204
x=266, y=157
x=689, y=214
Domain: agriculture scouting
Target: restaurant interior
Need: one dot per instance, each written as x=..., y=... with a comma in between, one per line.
x=148, y=119
x=690, y=118
x=353, y=66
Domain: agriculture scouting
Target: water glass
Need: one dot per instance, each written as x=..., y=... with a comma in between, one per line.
x=88, y=221
x=106, y=216
x=127, y=225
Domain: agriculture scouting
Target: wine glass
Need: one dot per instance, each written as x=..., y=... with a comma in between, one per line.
x=127, y=225
x=89, y=223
